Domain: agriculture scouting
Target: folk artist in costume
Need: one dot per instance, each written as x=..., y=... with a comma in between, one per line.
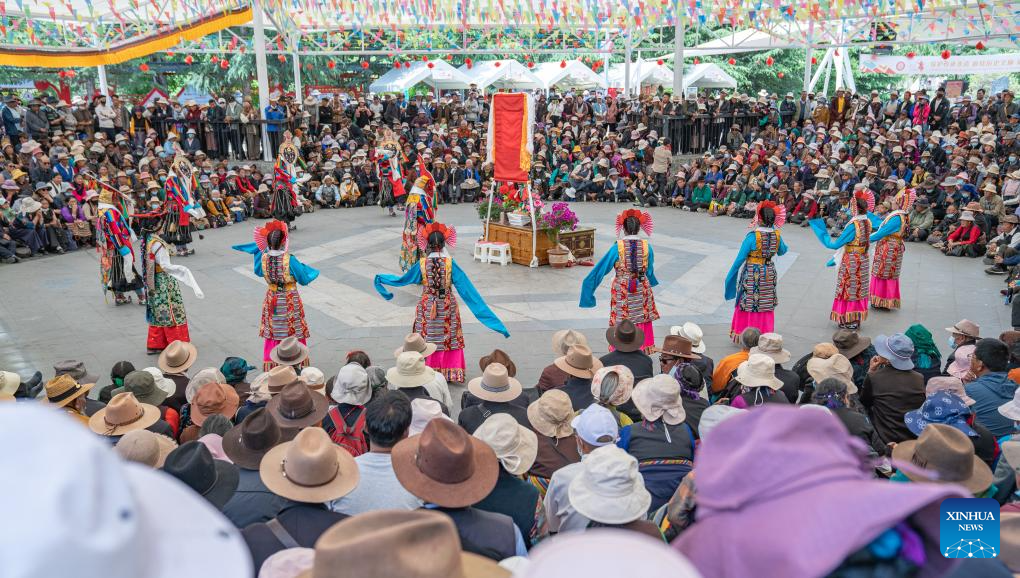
x=850, y=306
x=752, y=278
x=437, y=316
x=180, y=204
x=634, y=262
x=889, y=249
x=284, y=203
x=391, y=182
x=283, y=314
x=116, y=254
x=419, y=211
x=164, y=308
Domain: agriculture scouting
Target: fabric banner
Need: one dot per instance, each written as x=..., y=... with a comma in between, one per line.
x=510, y=133
x=936, y=66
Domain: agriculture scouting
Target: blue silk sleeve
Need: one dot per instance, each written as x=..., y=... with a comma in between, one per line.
x=782, y=247
x=411, y=277
x=652, y=280
x=738, y=264
x=469, y=295
x=892, y=226
x=302, y=273
x=595, y=276
x=818, y=226
x=876, y=221
x=253, y=250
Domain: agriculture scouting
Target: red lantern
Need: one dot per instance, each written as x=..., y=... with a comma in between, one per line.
x=215, y=59
x=424, y=58
x=431, y=65
x=659, y=62
x=407, y=65
x=224, y=64
x=61, y=74
x=143, y=67
x=188, y=59
x=331, y=65
x=980, y=45
x=563, y=64
x=911, y=55
x=467, y=61
x=71, y=73
x=780, y=74
x=364, y=64
x=770, y=61
x=946, y=54
x=497, y=64
x=731, y=61
x=281, y=58
x=396, y=64
x=531, y=64
x=697, y=61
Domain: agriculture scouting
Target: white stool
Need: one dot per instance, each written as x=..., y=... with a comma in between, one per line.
x=482, y=251
x=499, y=253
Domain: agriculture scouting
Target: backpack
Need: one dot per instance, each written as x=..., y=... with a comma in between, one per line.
x=351, y=438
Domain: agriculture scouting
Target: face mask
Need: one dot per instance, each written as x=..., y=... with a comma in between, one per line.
x=1012, y=158
x=951, y=342
x=580, y=452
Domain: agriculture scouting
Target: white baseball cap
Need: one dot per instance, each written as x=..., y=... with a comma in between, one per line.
x=596, y=426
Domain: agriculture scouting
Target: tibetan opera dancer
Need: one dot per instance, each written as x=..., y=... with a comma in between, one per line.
x=116, y=254
x=437, y=316
x=850, y=306
x=164, y=309
x=889, y=249
x=283, y=315
x=634, y=261
x=284, y=204
x=752, y=278
x=180, y=204
x=391, y=182
x=419, y=210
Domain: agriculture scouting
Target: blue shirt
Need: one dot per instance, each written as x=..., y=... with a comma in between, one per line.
x=989, y=392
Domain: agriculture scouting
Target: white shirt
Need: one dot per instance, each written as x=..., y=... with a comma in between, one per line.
x=560, y=515
x=378, y=488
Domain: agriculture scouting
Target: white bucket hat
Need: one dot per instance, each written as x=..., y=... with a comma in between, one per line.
x=691, y=332
x=659, y=397
x=771, y=344
x=516, y=446
x=597, y=553
x=351, y=385
x=759, y=370
x=410, y=371
x=715, y=415
x=610, y=489
x=164, y=383
x=422, y=412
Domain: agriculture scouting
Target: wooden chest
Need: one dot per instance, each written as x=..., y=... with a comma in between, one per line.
x=581, y=242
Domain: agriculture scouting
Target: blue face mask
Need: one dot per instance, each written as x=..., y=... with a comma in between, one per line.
x=951, y=342
x=1012, y=158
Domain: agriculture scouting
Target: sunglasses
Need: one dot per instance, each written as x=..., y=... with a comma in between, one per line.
x=663, y=359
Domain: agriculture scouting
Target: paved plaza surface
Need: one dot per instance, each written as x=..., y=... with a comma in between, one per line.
x=51, y=308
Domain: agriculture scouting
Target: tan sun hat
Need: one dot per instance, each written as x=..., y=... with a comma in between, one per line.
x=759, y=370
x=177, y=357
x=579, y=362
x=516, y=446
x=564, y=338
x=410, y=371
x=659, y=397
x=310, y=469
x=415, y=342
x=551, y=414
x=123, y=414
x=495, y=384
x=145, y=447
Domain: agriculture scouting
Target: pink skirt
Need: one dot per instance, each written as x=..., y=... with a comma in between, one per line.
x=763, y=320
x=649, y=331
x=267, y=347
x=885, y=293
x=844, y=311
x=450, y=363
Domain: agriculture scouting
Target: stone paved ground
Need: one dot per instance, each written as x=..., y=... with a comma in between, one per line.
x=52, y=309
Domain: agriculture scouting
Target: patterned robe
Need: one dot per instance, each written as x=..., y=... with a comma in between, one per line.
x=437, y=316
x=165, y=306
x=854, y=268
x=419, y=210
x=283, y=314
x=757, y=286
x=631, y=292
x=889, y=250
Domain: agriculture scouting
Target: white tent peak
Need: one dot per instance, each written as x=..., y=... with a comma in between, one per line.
x=507, y=74
x=440, y=75
x=573, y=75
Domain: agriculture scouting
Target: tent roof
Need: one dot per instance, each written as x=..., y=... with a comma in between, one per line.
x=645, y=71
x=509, y=74
x=574, y=75
x=441, y=75
x=706, y=75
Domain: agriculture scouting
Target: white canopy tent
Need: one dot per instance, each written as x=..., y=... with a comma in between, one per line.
x=706, y=75
x=501, y=74
x=642, y=73
x=574, y=75
x=441, y=76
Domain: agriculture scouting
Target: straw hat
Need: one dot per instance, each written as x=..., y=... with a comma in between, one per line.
x=579, y=362
x=836, y=366
x=124, y=413
x=609, y=489
x=297, y=407
x=310, y=469
x=659, y=397
x=551, y=413
x=177, y=357
x=692, y=332
x=948, y=455
x=495, y=385
x=758, y=371
x=247, y=443
x=516, y=446
x=145, y=447
x=415, y=342
x=564, y=338
x=63, y=389
x=771, y=344
x=410, y=371
x=290, y=351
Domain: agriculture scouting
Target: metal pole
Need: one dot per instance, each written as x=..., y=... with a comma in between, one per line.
x=626, y=67
x=605, y=61
x=807, y=55
x=104, y=88
x=261, y=71
x=299, y=93
x=679, y=31
x=637, y=75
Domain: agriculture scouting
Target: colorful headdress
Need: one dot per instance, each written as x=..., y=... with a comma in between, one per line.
x=448, y=232
x=905, y=199
x=262, y=234
x=642, y=216
x=867, y=196
x=779, y=210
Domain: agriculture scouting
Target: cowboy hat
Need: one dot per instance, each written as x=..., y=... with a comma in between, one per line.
x=248, y=442
x=274, y=380
x=445, y=466
x=124, y=413
x=193, y=464
x=495, y=384
x=63, y=389
x=967, y=328
x=759, y=371
x=579, y=362
x=771, y=344
x=677, y=347
x=296, y=407
x=415, y=342
x=692, y=332
x=516, y=446
x=177, y=357
x=212, y=399
x=290, y=351
x=498, y=356
x=551, y=413
x=564, y=338
x=609, y=488
x=659, y=397
x=309, y=469
x=945, y=455
x=625, y=336
x=410, y=371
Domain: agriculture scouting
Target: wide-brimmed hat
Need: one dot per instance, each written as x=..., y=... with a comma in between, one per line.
x=1011, y=408
x=771, y=344
x=953, y=385
x=945, y=456
x=246, y=444
x=596, y=552
x=415, y=342
x=277, y=378
x=850, y=343
x=495, y=384
x=897, y=348
x=498, y=356
x=9, y=383
x=310, y=469
x=609, y=489
x=759, y=371
x=214, y=399
x=692, y=332
x=516, y=446
x=75, y=369
x=659, y=397
x=579, y=362
x=177, y=357
x=297, y=406
x=350, y=385
x=966, y=327
x=942, y=408
x=204, y=377
x=410, y=371
x=443, y=465
x=193, y=464
x=836, y=366
x=677, y=347
x=551, y=413
x=143, y=385
x=163, y=383
x=624, y=387
x=564, y=338
x=424, y=410
x=389, y=543
x=145, y=447
x=290, y=351
x=625, y=336
x=63, y=389
x=123, y=414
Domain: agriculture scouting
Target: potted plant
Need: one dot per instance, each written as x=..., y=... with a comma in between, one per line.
x=557, y=219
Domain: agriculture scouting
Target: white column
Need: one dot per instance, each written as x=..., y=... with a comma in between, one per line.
x=298, y=92
x=807, y=54
x=606, y=57
x=626, y=66
x=261, y=71
x=104, y=87
x=637, y=74
x=679, y=30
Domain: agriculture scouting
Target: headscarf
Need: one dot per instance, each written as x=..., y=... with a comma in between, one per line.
x=235, y=369
x=925, y=351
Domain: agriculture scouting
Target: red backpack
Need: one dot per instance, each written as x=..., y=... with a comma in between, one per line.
x=351, y=438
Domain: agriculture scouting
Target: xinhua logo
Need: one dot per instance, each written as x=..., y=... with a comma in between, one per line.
x=969, y=528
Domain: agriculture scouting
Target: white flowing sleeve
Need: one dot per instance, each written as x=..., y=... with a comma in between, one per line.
x=179, y=272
